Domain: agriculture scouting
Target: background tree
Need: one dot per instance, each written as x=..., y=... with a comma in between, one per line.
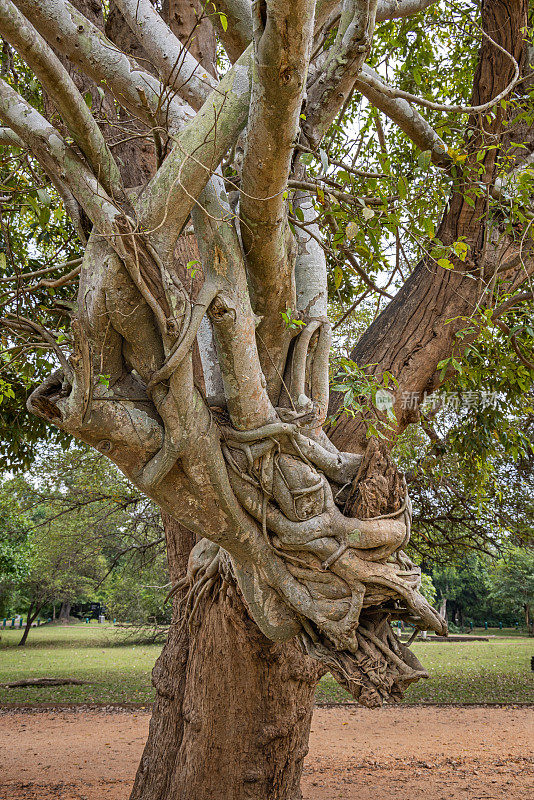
x=14, y=551
x=512, y=583
x=203, y=373
x=77, y=531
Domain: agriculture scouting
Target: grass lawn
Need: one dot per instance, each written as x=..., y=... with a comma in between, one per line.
x=497, y=671
x=92, y=653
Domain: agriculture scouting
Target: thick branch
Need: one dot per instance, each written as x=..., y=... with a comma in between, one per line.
x=344, y=60
x=407, y=118
x=177, y=67
x=238, y=34
x=399, y=9
x=63, y=93
x=230, y=312
x=75, y=37
x=168, y=199
x=282, y=49
x=310, y=266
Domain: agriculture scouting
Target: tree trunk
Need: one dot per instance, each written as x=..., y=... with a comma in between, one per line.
x=232, y=714
x=529, y=622
x=64, y=612
x=29, y=622
x=443, y=607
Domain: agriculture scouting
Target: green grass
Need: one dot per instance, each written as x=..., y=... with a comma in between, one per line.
x=92, y=653
x=497, y=671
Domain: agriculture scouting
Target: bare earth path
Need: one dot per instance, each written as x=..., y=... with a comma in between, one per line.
x=421, y=753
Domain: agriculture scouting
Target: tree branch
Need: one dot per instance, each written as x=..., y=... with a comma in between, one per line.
x=231, y=313
x=407, y=118
x=310, y=265
x=168, y=199
x=76, y=38
x=63, y=93
x=333, y=82
x=9, y=138
x=238, y=33
x=399, y=9
x=282, y=44
x=177, y=67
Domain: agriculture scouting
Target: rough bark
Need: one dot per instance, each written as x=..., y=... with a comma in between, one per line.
x=232, y=712
x=191, y=24
x=418, y=328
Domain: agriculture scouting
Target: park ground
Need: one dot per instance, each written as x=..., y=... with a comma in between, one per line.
x=464, y=734
x=416, y=753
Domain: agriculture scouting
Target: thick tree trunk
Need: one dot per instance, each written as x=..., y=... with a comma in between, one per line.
x=64, y=613
x=232, y=714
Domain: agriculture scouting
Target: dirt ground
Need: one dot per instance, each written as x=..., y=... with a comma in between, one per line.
x=418, y=753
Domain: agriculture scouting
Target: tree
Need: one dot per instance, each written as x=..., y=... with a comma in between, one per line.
x=512, y=583
x=60, y=562
x=71, y=523
x=212, y=214
x=462, y=589
x=14, y=551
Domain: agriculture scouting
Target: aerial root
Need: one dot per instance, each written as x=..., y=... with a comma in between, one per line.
x=199, y=581
x=379, y=666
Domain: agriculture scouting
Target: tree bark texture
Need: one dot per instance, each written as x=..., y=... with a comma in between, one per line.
x=232, y=713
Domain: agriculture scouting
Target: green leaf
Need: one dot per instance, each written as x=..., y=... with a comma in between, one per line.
x=224, y=21
x=44, y=197
x=44, y=216
x=460, y=248
x=424, y=159
x=428, y=226
x=351, y=231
